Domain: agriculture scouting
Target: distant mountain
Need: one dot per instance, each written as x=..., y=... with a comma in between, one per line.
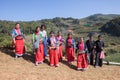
x=112, y=27
x=99, y=18
x=58, y=23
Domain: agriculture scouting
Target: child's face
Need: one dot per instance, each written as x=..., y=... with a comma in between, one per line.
x=38, y=29
x=100, y=38
x=91, y=37
x=43, y=28
x=59, y=33
x=70, y=36
x=52, y=34
x=81, y=40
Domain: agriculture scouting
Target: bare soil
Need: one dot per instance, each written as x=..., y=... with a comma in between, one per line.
x=24, y=69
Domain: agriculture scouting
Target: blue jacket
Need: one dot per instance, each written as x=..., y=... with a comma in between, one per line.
x=49, y=42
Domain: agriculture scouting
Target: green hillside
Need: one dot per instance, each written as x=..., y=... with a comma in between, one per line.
x=112, y=27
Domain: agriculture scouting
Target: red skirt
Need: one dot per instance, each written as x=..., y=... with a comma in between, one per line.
x=39, y=54
x=70, y=54
x=60, y=53
x=82, y=61
x=19, y=47
x=53, y=56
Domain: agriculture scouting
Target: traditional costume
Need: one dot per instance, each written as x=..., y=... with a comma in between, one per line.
x=38, y=47
x=53, y=51
x=44, y=34
x=82, y=62
x=19, y=45
x=60, y=54
x=70, y=48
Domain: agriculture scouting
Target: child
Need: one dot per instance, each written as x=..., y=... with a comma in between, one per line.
x=60, y=40
x=38, y=46
x=70, y=48
x=44, y=34
x=82, y=62
x=53, y=50
x=99, y=44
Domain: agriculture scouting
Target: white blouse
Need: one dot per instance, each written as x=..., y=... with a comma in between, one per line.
x=44, y=33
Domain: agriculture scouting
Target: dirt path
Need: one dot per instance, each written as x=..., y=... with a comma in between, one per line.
x=24, y=69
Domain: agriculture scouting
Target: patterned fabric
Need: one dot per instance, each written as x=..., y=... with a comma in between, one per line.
x=81, y=46
x=36, y=40
x=53, y=41
x=70, y=43
x=17, y=32
x=36, y=35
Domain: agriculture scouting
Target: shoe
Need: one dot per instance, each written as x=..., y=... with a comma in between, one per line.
x=83, y=69
x=51, y=65
x=41, y=63
x=95, y=66
x=36, y=63
x=79, y=69
x=16, y=57
x=57, y=65
x=70, y=63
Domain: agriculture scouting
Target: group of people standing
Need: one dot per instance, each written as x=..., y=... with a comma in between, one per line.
x=52, y=45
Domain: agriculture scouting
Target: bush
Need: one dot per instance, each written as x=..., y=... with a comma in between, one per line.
x=5, y=41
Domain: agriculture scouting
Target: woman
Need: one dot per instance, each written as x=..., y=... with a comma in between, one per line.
x=70, y=48
x=82, y=62
x=53, y=50
x=38, y=46
x=60, y=40
x=18, y=40
x=44, y=34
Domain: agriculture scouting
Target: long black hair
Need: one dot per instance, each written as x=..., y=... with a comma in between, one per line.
x=42, y=26
x=36, y=28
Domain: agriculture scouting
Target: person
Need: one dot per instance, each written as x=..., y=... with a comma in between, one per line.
x=82, y=62
x=70, y=48
x=53, y=49
x=44, y=34
x=18, y=41
x=99, y=47
x=90, y=46
x=38, y=46
x=61, y=40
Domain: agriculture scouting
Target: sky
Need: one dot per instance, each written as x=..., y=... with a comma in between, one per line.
x=29, y=10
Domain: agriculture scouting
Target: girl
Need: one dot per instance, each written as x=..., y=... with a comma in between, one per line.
x=70, y=48
x=38, y=46
x=82, y=62
x=53, y=49
x=60, y=40
x=44, y=34
x=18, y=41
